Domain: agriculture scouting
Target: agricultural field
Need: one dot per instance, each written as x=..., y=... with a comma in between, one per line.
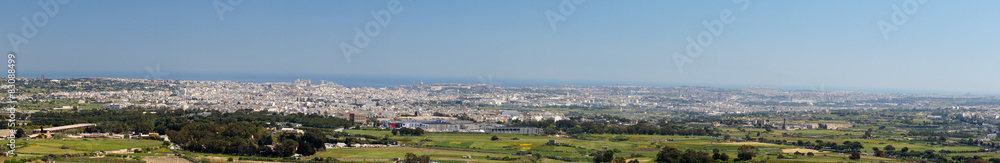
x=83, y=145
x=644, y=147
x=47, y=147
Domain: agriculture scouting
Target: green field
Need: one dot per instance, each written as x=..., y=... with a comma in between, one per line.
x=400, y=152
x=645, y=145
x=51, y=146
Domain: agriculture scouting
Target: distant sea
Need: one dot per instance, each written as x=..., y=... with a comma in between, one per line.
x=392, y=81
x=345, y=80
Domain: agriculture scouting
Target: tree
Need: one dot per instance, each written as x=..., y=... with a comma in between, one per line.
x=673, y=155
x=604, y=156
x=669, y=155
x=495, y=138
x=412, y=158
x=855, y=155
x=287, y=147
x=618, y=160
x=598, y=156
x=609, y=156
x=746, y=152
x=306, y=149
x=565, y=123
x=719, y=156
x=904, y=149
x=715, y=153
x=890, y=147
x=20, y=133
x=315, y=138
x=633, y=161
x=696, y=156
x=810, y=154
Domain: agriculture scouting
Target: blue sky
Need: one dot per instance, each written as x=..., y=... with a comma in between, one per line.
x=942, y=46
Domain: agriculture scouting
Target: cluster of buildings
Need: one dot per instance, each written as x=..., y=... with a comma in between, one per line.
x=452, y=124
x=471, y=100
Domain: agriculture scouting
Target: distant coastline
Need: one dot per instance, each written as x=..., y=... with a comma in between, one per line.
x=381, y=81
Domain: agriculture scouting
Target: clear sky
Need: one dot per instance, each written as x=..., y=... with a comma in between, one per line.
x=940, y=46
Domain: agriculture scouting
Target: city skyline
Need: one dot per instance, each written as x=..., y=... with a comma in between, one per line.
x=940, y=46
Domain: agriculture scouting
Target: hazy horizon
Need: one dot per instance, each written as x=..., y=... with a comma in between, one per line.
x=358, y=80
x=931, y=46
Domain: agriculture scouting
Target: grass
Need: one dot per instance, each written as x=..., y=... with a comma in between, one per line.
x=646, y=145
x=52, y=146
x=400, y=152
x=95, y=144
x=47, y=150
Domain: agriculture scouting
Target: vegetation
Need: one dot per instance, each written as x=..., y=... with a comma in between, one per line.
x=838, y=136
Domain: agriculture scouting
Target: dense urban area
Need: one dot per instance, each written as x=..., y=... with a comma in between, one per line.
x=144, y=120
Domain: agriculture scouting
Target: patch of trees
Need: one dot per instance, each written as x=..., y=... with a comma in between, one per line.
x=413, y=158
x=308, y=120
x=408, y=131
x=240, y=133
x=820, y=144
x=159, y=120
x=604, y=156
x=245, y=139
x=928, y=155
x=575, y=126
x=673, y=155
x=746, y=152
x=719, y=156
